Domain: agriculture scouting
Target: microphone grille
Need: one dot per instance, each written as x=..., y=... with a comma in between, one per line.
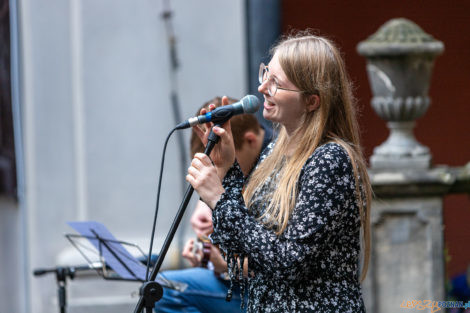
x=250, y=104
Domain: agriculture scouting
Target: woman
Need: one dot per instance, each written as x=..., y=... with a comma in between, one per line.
x=299, y=218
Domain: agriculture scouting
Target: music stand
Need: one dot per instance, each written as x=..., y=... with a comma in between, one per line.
x=114, y=260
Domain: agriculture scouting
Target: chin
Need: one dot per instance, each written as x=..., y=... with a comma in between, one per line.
x=268, y=115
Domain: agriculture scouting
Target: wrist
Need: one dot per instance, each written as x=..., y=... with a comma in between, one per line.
x=213, y=202
x=222, y=171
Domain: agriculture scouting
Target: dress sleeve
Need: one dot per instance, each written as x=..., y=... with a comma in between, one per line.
x=326, y=187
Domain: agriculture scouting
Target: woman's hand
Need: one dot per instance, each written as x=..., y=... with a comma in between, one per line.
x=202, y=175
x=223, y=154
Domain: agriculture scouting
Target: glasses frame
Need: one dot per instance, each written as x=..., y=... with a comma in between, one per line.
x=262, y=68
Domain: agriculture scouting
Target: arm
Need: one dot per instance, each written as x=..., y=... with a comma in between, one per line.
x=316, y=217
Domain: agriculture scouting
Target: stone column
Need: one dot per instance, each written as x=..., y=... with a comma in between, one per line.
x=407, y=251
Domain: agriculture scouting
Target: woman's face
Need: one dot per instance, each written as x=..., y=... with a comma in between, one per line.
x=285, y=107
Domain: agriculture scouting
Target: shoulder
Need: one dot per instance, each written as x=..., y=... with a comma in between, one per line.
x=330, y=157
x=331, y=151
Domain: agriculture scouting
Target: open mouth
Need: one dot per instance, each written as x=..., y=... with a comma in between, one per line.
x=268, y=105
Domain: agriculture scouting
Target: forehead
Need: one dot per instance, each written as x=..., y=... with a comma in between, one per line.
x=276, y=70
x=274, y=65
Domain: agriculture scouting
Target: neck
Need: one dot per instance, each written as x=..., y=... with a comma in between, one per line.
x=291, y=131
x=260, y=141
x=292, y=141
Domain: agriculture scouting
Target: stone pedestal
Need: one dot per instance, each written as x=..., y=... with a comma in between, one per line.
x=407, y=246
x=407, y=253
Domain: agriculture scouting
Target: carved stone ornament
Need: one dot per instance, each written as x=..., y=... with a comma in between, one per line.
x=400, y=57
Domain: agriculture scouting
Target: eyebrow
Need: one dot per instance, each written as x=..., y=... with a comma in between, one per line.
x=274, y=75
x=278, y=80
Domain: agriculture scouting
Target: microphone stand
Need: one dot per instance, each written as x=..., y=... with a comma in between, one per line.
x=62, y=272
x=151, y=291
x=167, y=15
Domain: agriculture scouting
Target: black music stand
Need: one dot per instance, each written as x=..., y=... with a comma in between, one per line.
x=113, y=260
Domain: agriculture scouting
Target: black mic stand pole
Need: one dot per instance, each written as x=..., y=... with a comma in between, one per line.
x=62, y=272
x=151, y=291
x=167, y=15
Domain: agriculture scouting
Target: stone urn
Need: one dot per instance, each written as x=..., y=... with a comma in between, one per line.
x=400, y=58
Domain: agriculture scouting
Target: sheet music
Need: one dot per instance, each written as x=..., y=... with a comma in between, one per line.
x=125, y=265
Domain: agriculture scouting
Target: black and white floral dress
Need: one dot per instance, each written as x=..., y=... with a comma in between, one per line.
x=313, y=265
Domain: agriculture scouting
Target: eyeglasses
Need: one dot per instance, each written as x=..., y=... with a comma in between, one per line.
x=272, y=85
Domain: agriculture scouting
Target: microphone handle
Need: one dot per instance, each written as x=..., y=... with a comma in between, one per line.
x=218, y=116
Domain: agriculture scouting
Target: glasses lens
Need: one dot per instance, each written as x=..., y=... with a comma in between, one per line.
x=272, y=88
x=263, y=76
x=262, y=73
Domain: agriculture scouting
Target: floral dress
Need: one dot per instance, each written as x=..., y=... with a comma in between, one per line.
x=313, y=265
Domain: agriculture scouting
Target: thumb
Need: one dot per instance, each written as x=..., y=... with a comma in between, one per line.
x=224, y=100
x=223, y=133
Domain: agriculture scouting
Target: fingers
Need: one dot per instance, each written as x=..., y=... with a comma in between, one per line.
x=200, y=133
x=189, y=254
x=200, y=161
x=188, y=247
x=201, y=219
x=211, y=107
x=203, y=158
x=198, y=165
x=224, y=100
x=223, y=133
x=201, y=224
x=206, y=231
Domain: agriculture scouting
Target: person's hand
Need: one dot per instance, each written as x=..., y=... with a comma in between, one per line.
x=220, y=266
x=223, y=154
x=201, y=220
x=202, y=175
x=188, y=254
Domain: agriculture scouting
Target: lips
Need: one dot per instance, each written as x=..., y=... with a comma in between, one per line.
x=268, y=105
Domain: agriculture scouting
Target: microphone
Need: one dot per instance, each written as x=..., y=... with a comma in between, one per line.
x=248, y=104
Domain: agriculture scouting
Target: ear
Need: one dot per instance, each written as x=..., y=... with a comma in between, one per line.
x=249, y=137
x=313, y=102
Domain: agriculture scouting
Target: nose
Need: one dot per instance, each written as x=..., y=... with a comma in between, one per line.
x=262, y=88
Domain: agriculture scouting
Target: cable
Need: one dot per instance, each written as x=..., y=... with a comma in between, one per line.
x=157, y=204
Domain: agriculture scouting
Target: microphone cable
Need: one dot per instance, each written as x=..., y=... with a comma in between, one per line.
x=149, y=257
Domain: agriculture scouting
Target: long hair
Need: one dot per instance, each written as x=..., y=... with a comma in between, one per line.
x=314, y=64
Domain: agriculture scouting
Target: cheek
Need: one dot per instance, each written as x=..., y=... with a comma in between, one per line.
x=296, y=110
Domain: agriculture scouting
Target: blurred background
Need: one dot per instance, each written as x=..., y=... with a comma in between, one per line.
x=88, y=95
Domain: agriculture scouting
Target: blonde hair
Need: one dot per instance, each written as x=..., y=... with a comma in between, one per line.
x=313, y=64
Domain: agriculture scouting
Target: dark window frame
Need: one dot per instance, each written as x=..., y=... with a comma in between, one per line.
x=8, y=181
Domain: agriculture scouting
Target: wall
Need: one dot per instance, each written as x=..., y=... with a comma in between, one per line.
x=95, y=111
x=446, y=126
